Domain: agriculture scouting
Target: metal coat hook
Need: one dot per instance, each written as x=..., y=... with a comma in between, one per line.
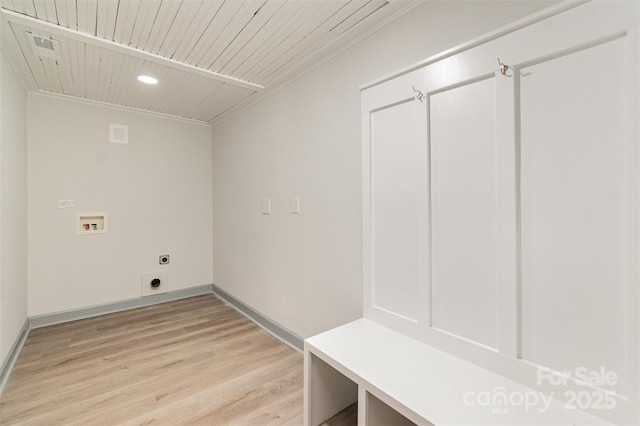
x=504, y=68
x=419, y=95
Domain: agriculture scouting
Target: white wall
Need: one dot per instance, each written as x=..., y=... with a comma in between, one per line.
x=304, y=271
x=13, y=207
x=157, y=192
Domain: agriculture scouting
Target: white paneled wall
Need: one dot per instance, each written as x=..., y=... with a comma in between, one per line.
x=464, y=211
x=577, y=210
x=501, y=209
x=396, y=157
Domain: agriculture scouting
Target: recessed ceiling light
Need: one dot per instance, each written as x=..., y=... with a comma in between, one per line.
x=147, y=79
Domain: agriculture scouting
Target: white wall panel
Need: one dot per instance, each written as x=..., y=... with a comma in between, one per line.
x=534, y=187
x=13, y=207
x=575, y=210
x=397, y=158
x=463, y=211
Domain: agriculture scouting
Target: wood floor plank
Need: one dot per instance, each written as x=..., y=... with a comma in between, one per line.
x=127, y=341
x=75, y=368
x=191, y=361
x=284, y=411
x=143, y=370
x=225, y=395
x=346, y=417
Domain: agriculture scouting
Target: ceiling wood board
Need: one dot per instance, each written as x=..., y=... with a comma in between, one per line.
x=211, y=56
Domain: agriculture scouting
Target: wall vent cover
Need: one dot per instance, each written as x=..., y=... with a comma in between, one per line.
x=43, y=47
x=118, y=133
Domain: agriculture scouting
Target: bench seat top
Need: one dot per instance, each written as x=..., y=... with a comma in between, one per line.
x=436, y=386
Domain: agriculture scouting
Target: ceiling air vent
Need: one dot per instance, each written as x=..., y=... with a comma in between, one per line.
x=43, y=47
x=118, y=133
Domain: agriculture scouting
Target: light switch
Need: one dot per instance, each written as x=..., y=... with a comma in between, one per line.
x=295, y=205
x=266, y=206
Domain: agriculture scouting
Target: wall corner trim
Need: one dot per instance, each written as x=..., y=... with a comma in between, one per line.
x=12, y=356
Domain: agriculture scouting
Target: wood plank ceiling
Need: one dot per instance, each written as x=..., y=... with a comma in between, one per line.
x=210, y=56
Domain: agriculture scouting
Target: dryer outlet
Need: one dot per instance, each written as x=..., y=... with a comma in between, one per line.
x=151, y=286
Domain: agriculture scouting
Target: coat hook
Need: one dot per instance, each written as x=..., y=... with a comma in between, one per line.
x=419, y=95
x=504, y=68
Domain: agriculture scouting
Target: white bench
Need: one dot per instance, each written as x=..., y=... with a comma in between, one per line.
x=398, y=380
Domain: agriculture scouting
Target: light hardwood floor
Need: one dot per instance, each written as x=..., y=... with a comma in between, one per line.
x=193, y=361
x=347, y=417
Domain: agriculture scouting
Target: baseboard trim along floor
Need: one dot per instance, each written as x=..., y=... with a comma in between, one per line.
x=12, y=357
x=109, y=308
x=281, y=333
x=285, y=336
